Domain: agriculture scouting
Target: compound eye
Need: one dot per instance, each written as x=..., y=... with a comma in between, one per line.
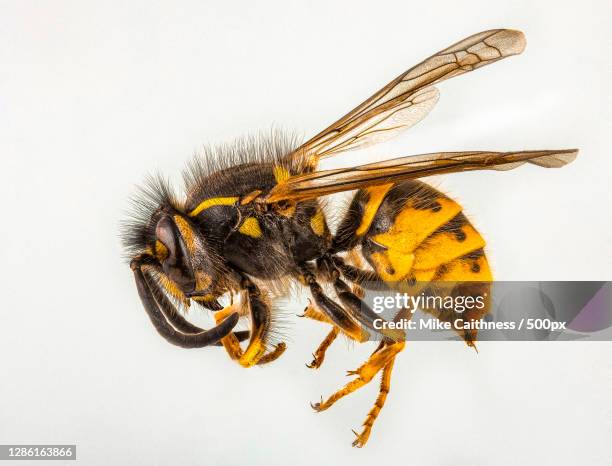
x=170, y=251
x=166, y=246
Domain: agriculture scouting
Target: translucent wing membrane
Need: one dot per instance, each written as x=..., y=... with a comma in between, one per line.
x=377, y=125
x=390, y=171
x=407, y=99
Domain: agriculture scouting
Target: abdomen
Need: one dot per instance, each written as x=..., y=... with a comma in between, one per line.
x=414, y=236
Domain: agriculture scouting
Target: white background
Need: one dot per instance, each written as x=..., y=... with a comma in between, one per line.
x=94, y=95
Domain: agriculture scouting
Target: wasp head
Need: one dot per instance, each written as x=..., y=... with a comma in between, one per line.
x=187, y=259
x=184, y=261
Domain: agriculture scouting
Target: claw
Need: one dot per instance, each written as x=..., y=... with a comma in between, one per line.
x=349, y=373
x=361, y=439
x=305, y=311
x=317, y=406
x=315, y=364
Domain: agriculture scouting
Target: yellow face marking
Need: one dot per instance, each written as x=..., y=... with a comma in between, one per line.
x=317, y=223
x=186, y=232
x=412, y=226
x=376, y=196
x=213, y=201
x=250, y=227
x=280, y=173
x=444, y=247
x=161, y=251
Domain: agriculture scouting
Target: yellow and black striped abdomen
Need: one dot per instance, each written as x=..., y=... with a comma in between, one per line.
x=414, y=236
x=416, y=233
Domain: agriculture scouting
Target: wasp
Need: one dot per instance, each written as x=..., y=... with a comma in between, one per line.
x=252, y=218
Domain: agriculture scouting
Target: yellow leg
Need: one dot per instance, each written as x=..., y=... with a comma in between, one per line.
x=365, y=373
x=313, y=313
x=385, y=386
x=232, y=345
x=254, y=351
x=273, y=355
x=259, y=310
x=319, y=354
x=230, y=342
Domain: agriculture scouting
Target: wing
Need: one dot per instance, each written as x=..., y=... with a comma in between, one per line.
x=322, y=183
x=408, y=98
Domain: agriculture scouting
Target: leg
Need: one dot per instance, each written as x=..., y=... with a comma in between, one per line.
x=260, y=316
x=359, y=312
x=230, y=342
x=363, y=313
x=355, y=258
x=379, y=359
x=312, y=313
x=273, y=355
x=260, y=321
x=332, y=310
x=359, y=276
x=319, y=354
x=385, y=386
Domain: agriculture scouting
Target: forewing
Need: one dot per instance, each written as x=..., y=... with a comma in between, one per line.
x=391, y=171
x=380, y=123
x=409, y=98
